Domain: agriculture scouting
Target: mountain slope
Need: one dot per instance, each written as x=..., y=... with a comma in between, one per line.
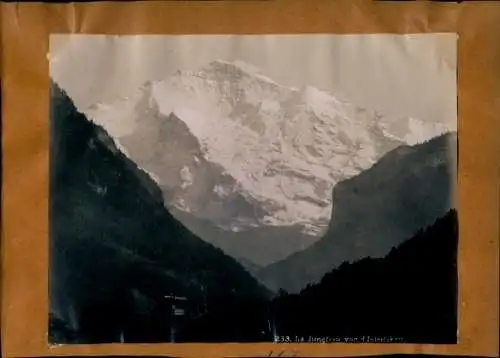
x=203, y=197
x=115, y=249
x=260, y=246
x=236, y=153
x=409, y=296
x=405, y=191
x=282, y=148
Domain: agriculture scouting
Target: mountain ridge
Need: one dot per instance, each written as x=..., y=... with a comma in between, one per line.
x=238, y=118
x=234, y=149
x=375, y=209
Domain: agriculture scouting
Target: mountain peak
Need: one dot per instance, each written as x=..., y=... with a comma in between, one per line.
x=285, y=147
x=238, y=64
x=237, y=69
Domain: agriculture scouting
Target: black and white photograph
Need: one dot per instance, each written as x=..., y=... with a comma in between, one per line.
x=253, y=188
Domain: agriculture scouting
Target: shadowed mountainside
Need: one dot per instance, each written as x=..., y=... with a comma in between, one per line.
x=115, y=249
x=253, y=247
x=405, y=191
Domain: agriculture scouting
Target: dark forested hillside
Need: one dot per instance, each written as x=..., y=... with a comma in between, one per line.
x=116, y=251
x=409, y=296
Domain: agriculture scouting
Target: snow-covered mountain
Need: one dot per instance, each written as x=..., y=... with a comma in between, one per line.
x=230, y=145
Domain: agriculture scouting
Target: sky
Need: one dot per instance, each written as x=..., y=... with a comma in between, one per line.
x=398, y=75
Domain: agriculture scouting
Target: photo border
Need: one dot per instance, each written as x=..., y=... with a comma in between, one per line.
x=25, y=30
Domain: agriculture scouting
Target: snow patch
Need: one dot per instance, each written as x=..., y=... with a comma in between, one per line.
x=419, y=131
x=270, y=106
x=221, y=191
x=180, y=203
x=186, y=177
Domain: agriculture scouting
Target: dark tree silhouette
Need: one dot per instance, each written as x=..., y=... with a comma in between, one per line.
x=411, y=294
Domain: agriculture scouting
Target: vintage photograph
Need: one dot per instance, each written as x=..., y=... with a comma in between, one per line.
x=253, y=188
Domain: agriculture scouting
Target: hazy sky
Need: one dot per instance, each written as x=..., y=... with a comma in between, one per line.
x=399, y=75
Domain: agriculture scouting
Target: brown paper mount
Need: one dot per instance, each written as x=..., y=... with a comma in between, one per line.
x=25, y=30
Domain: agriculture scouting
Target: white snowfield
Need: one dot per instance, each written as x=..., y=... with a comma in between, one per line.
x=285, y=147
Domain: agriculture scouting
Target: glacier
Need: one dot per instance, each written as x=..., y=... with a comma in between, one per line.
x=283, y=148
